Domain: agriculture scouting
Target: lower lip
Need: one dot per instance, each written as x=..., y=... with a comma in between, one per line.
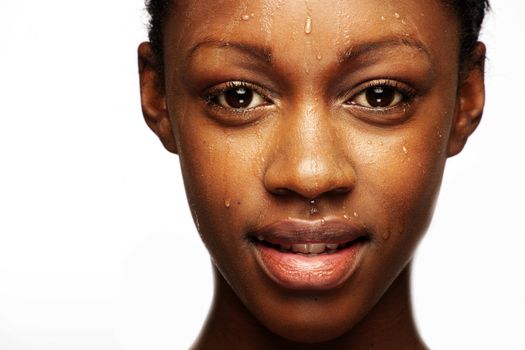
x=303, y=272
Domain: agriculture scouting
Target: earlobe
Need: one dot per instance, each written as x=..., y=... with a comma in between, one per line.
x=153, y=98
x=471, y=100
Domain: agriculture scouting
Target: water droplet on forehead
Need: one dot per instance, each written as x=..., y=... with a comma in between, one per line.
x=308, y=25
x=245, y=17
x=397, y=15
x=383, y=18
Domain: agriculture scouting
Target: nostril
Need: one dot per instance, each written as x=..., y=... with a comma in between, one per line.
x=281, y=191
x=341, y=190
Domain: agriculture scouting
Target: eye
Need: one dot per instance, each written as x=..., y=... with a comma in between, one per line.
x=238, y=96
x=381, y=95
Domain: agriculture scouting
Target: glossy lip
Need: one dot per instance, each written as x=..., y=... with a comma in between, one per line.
x=310, y=272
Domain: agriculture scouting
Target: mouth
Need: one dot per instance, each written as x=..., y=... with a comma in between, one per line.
x=309, y=255
x=308, y=249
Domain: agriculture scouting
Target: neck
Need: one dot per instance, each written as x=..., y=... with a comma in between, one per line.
x=389, y=325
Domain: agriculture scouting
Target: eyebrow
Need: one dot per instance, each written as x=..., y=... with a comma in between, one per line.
x=362, y=49
x=260, y=53
x=264, y=53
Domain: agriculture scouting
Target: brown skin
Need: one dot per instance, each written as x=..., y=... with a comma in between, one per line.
x=311, y=138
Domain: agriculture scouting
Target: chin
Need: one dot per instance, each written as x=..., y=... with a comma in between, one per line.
x=314, y=319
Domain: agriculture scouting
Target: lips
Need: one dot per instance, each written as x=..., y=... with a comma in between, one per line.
x=310, y=255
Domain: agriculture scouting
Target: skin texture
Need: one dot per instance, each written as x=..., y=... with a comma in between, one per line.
x=312, y=150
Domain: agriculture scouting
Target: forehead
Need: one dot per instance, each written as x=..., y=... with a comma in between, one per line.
x=320, y=28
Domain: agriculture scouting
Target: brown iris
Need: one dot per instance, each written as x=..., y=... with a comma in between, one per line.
x=380, y=96
x=238, y=97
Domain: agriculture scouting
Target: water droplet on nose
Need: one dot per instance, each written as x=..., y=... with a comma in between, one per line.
x=397, y=15
x=245, y=17
x=405, y=150
x=308, y=25
x=227, y=203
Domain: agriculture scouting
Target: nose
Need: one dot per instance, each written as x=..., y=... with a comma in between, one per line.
x=310, y=159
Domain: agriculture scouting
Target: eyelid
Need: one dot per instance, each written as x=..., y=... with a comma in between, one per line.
x=210, y=93
x=408, y=92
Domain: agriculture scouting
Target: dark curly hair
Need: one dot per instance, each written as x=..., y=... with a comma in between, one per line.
x=469, y=12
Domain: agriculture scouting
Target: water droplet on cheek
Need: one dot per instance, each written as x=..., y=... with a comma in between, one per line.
x=308, y=25
x=319, y=57
x=397, y=15
x=405, y=150
x=227, y=203
x=245, y=17
x=355, y=214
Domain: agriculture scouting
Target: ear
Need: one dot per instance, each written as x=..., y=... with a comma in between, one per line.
x=471, y=100
x=153, y=97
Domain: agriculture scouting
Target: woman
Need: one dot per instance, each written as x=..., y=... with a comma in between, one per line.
x=312, y=137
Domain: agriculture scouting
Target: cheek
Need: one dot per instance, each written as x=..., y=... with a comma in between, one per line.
x=222, y=175
x=400, y=179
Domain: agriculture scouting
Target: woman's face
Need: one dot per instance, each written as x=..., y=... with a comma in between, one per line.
x=312, y=137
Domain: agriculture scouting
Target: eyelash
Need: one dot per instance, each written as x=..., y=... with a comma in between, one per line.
x=376, y=115
x=407, y=94
x=215, y=92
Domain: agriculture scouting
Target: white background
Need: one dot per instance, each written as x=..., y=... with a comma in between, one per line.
x=97, y=247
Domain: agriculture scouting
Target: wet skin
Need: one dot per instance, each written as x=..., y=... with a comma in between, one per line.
x=337, y=113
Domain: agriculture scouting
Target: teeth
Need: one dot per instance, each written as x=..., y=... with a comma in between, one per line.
x=300, y=248
x=312, y=248
x=307, y=248
x=316, y=248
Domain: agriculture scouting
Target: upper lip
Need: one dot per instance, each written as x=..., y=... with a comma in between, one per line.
x=295, y=231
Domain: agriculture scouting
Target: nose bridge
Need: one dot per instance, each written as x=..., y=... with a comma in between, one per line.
x=310, y=160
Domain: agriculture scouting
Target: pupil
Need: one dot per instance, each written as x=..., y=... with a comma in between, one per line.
x=380, y=96
x=239, y=98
